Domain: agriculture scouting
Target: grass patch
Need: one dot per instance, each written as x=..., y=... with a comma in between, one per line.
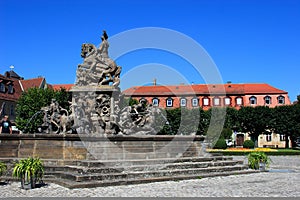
x=243, y=151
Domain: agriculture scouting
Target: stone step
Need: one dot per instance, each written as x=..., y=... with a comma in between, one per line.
x=169, y=166
x=96, y=183
x=129, y=162
x=143, y=174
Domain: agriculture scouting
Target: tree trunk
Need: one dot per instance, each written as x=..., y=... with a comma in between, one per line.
x=287, y=141
x=254, y=138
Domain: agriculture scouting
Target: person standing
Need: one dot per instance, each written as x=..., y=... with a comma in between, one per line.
x=5, y=125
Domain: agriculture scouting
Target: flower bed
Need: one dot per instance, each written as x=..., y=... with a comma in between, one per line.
x=242, y=150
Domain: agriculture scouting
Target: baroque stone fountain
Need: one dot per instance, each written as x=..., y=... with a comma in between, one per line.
x=96, y=100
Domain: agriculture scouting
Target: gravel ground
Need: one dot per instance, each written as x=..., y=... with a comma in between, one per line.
x=282, y=180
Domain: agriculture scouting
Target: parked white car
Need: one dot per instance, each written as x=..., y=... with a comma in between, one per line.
x=229, y=142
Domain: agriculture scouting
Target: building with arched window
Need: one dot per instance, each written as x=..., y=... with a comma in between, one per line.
x=11, y=88
x=209, y=95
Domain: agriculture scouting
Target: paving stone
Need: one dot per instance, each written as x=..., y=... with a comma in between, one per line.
x=283, y=180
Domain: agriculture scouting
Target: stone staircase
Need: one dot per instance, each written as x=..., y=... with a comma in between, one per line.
x=95, y=173
x=77, y=161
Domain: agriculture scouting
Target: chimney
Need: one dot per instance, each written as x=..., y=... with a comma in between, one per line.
x=154, y=81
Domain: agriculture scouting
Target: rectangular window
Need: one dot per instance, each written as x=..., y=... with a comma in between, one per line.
x=10, y=89
x=183, y=102
x=282, y=137
x=12, y=110
x=269, y=137
x=169, y=102
x=195, y=102
x=227, y=101
x=239, y=101
x=206, y=101
x=216, y=101
x=2, y=87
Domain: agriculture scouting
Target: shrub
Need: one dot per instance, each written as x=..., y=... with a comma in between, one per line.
x=255, y=158
x=248, y=144
x=3, y=168
x=29, y=170
x=220, y=144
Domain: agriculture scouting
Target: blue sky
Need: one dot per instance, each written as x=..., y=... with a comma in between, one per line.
x=250, y=41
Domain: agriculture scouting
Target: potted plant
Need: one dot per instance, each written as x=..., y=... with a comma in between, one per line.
x=258, y=160
x=30, y=171
x=3, y=168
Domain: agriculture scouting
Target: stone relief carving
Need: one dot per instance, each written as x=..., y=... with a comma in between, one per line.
x=56, y=119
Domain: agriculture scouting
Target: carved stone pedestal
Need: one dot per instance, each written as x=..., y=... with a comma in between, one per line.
x=95, y=109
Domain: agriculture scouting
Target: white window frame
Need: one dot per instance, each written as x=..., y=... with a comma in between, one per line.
x=281, y=98
x=269, y=99
x=227, y=101
x=169, y=102
x=237, y=101
x=282, y=137
x=195, y=102
x=155, y=102
x=183, y=102
x=206, y=101
x=217, y=101
x=269, y=137
x=254, y=99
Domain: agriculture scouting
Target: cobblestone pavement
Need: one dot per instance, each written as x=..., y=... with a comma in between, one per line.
x=282, y=180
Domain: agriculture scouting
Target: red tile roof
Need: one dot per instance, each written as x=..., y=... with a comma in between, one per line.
x=65, y=86
x=203, y=89
x=32, y=83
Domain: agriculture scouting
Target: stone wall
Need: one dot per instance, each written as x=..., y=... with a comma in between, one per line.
x=84, y=147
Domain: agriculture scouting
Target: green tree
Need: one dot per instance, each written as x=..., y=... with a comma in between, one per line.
x=30, y=103
x=174, y=119
x=286, y=121
x=204, y=122
x=216, y=124
x=124, y=102
x=255, y=120
x=298, y=99
x=232, y=119
x=226, y=133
